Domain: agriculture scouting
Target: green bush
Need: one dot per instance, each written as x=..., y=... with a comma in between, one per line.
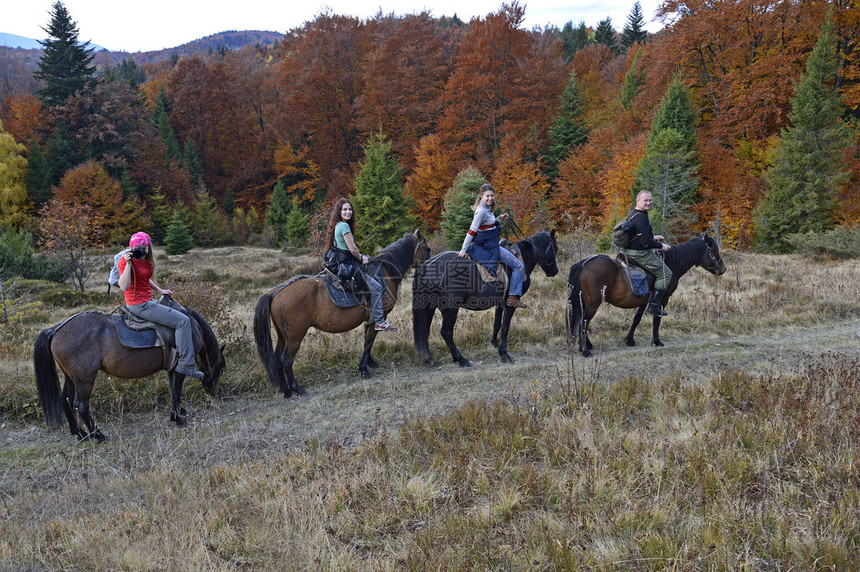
x=843, y=242
x=17, y=258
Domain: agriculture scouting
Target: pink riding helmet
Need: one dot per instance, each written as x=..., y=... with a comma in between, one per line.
x=140, y=239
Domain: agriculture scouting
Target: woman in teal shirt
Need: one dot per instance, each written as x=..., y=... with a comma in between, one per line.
x=340, y=238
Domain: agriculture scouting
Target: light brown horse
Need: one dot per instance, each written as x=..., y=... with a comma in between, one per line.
x=304, y=302
x=88, y=342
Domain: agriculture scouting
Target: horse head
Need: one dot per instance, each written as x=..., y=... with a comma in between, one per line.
x=547, y=254
x=217, y=364
x=711, y=259
x=422, y=249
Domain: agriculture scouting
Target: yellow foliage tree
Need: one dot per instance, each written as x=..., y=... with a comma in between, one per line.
x=13, y=190
x=89, y=184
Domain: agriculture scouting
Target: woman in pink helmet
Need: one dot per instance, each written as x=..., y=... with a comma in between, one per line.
x=136, y=269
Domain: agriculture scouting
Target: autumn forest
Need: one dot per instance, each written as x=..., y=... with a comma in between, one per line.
x=712, y=113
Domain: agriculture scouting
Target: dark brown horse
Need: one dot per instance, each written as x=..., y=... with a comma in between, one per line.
x=304, y=302
x=88, y=342
x=599, y=279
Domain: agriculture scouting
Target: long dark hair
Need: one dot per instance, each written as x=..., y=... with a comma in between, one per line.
x=335, y=218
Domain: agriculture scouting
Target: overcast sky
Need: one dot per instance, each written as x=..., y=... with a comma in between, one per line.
x=120, y=25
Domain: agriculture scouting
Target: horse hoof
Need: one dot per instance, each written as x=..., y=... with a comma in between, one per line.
x=180, y=421
x=372, y=364
x=586, y=353
x=97, y=435
x=657, y=344
x=430, y=362
x=506, y=358
x=464, y=362
x=301, y=391
x=629, y=342
x=495, y=342
x=365, y=373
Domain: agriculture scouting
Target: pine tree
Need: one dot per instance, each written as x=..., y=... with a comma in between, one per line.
x=604, y=34
x=168, y=136
x=38, y=176
x=670, y=165
x=807, y=172
x=634, y=29
x=64, y=68
x=382, y=210
x=161, y=217
x=209, y=227
x=633, y=81
x=457, y=212
x=278, y=213
x=192, y=161
x=62, y=155
x=568, y=130
x=296, y=228
x=178, y=239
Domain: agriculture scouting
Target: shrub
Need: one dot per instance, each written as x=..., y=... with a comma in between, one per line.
x=843, y=242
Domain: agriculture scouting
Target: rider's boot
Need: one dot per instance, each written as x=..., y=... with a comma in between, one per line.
x=655, y=308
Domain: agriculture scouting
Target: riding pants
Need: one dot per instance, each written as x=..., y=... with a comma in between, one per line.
x=654, y=264
x=152, y=311
x=512, y=262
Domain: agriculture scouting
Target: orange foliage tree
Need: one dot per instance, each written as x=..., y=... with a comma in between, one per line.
x=481, y=87
x=429, y=181
x=299, y=174
x=522, y=188
x=89, y=184
x=403, y=85
x=22, y=116
x=71, y=231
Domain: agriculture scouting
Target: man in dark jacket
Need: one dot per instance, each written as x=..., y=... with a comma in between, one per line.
x=641, y=251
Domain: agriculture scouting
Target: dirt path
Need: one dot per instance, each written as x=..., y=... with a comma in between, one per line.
x=347, y=410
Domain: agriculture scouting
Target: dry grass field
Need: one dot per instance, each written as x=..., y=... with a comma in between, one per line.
x=735, y=446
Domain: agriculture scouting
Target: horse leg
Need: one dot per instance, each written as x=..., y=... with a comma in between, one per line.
x=177, y=412
x=288, y=354
x=497, y=325
x=507, y=313
x=655, y=332
x=449, y=318
x=365, y=361
x=67, y=397
x=421, y=320
x=83, y=392
x=629, y=341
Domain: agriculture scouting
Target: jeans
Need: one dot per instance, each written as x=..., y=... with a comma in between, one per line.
x=375, y=299
x=512, y=262
x=154, y=312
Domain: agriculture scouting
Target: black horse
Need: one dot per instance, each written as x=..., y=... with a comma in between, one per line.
x=600, y=279
x=449, y=283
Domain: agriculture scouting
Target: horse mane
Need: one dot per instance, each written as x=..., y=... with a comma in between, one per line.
x=398, y=254
x=210, y=342
x=685, y=255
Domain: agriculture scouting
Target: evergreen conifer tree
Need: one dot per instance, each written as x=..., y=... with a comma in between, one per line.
x=457, y=211
x=634, y=29
x=161, y=216
x=568, y=130
x=209, y=227
x=633, y=81
x=278, y=213
x=670, y=166
x=64, y=68
x=604, y=34
x=38, y=176
x=177, y=239
x=807, y=171
x=62, y=155
x=381, y=208
x=296, y=228
x=192, y=161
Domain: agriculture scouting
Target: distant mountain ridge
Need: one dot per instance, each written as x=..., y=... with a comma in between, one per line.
x=232, y=40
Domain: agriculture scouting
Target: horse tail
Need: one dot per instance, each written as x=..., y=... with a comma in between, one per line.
x=47, y=381
x=574, y=302
x=263, y=338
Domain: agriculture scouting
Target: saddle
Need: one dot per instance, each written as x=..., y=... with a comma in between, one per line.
x=345, y=293
x=135, y=333
x=501, y=275
x=637, y=277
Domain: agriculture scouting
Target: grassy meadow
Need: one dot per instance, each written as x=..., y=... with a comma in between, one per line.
x=735, y=446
